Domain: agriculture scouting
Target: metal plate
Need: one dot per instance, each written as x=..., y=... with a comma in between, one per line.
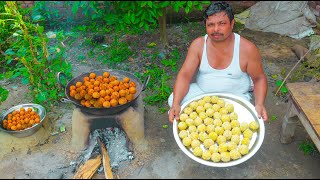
x=246, y=113
x=28, y=131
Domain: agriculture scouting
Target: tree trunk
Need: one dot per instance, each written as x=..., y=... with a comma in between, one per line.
x=163, y=28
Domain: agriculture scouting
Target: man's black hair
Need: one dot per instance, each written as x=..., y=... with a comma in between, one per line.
x=216, y=7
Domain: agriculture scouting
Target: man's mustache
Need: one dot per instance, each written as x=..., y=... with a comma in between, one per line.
x=216, y=34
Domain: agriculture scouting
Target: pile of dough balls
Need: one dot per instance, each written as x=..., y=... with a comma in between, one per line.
x=209, y=127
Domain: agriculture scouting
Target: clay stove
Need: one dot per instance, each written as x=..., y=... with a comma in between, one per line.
x=131, y=120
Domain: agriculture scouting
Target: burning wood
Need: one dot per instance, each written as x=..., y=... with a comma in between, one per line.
x=87, y=170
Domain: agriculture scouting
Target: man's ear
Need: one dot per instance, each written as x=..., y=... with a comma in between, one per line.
x=232, y=23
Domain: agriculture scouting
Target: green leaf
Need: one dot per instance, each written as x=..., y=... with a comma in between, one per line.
x=62, y=128
x=165, y=126
x=283, y=89
x=278, y=83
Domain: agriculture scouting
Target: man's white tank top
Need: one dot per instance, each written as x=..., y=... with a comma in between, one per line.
x=229, y=80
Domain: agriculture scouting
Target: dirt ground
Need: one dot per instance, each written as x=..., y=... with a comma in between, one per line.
x=49, y=155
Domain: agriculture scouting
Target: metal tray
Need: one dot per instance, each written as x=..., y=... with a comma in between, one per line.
x=28, y=131
x=246, y=113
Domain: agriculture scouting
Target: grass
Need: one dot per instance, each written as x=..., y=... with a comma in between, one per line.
x=308, y=147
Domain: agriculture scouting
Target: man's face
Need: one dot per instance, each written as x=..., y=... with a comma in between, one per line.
x=218, y=26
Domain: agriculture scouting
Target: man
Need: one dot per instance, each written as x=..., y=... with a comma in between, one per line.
x=225, y=63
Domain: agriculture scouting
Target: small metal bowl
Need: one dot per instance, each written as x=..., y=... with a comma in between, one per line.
x=28, y=131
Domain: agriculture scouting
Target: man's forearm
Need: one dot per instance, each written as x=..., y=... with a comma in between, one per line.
x=260, y=90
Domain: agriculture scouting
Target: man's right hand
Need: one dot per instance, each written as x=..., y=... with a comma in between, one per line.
x=174, y=113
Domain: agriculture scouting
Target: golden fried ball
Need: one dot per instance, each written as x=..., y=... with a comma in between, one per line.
x=221, y=102
x=206, y=155
x=245, y=141
x=216, y=107
x=247, y=133
x=207, y=105
x=194, y=135
x=195, y=143
x=210, y=112
x=244, y=126
x=223, y=147
x=208, y=142
x=201, y=128
x=189, y=121
x=187, y=110
x=197, y=121
x=243, y=149
x=235, y=154
x=192, y=128
x=214, y=149
x=193, y=105
x=230, y=108
x=210, y=128
x=200, y=109
x=217, y=122
x=227, y=134
x=233, y=116
x=231, y=146
x=219, y=130
x=236, y=131
x=215, y=157
x=202, y=115
x=197, y=151
x=182, y=125
x=225, y=118
x=208, y=121
x=186, y=141
x=213, y=135
x=214, y=99
x=225, y=156
x=221, y=139
x=253, y=125
x=206, y=99
x=226, y=126
x=235, y=123
x=235, y=139
x=217, y=115
x=193, y=115
x=183, y=117
x=203, y=136
x=183, y=134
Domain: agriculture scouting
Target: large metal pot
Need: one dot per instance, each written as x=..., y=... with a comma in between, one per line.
x=102, y=111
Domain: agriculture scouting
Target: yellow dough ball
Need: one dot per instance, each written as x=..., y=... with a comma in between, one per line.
x=253, y=125
x=201, y=102
x=247, y=133
x=193, y=115
x=208, y=142
x=206, y=155
x=189, y=121
x=221, y=139
x=219, y=130
x=225, y=118
x=223, y=110
x=203, y=136
x=186, y=141
x=213, y=135
x=194, y=135
x=209, y=112
x=215, y=157
x=201, y=128
x=195, y=143
x=217, y=115
x=226, y=126
x=225, y=156
x=227, y=134
x=217, y=122
x=207, y=121
x=234, y=154
x=207, y=99
x=197, y=121
x=230, y=108
x=221, y=102
x=200, y=109
x=182, y=125
x=193, y=105
x=202, y=115
x=216, y=107
x=235, y=139
x=235, y=123
x=213, y=149
x=192, y=128
x=187, y=110
x=183, y=134
x=243, y=149
x=207, y=105
x=214, y=99
x=233, y=116
x=210, y=128
x=245, y=141
x=236, y=131
x=244, y=126
x=183, y=117
x=223, y=147
x=232, y=145
x=197, y=151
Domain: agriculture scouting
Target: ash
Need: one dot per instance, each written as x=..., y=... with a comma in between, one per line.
x=115, y=141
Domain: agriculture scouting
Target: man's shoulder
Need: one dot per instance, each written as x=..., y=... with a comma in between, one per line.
x=246, y=44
